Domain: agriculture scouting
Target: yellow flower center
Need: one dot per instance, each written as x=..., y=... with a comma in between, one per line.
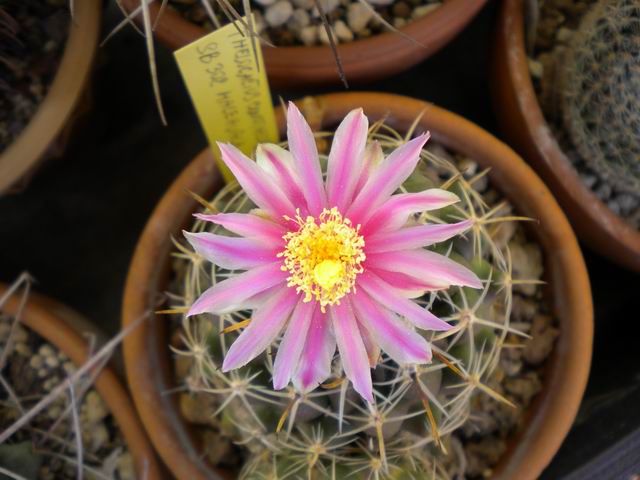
x=323, y=258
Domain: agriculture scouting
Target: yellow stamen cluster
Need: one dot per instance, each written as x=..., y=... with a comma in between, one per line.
x=324, y=258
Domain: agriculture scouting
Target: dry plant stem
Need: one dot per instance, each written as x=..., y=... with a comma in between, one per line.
x=148, y=30
x=388, y=26
x=332, y=42
x=77, y=431
x=10, y=474
x=105, y=351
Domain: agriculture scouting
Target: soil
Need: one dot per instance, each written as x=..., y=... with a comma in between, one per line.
x=32, y=38
x=46, y=448
x=556, y=24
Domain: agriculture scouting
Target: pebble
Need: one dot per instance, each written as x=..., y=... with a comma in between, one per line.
x=535, y=68
x=265, y=3
x=401, y=9
x=309, y=35
x=304, y=4
x=342, y=32
x=328, y=6
x=543, y=335
x=588, y=180
x=424, y=10
x=278, y=14
x=563, y=35
x=93, y=409
x=399, y=22
x=36, y=362
x=322, y=35
x=603, y=191
x=299, y=19
x=358, y=17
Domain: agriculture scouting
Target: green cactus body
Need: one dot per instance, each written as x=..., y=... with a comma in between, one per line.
x=600, y=92
x=330, y=433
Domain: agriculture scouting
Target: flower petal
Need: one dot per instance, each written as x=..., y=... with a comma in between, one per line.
x=395, y=212
x=414, y=237
x=265, y=326
x=373, y=157
x=247, y=225
x=353, y=354
x=392, y=173
x=370, y=345
x=302, y=145
x=250, y=176
x=425, y=265
x=319, y=348
x=385, y=294
x=397, y=339
x=279, y=164
x=345, y=159
x=407, y=286
x=292, y=344
x=233, y=253
x=228, y=296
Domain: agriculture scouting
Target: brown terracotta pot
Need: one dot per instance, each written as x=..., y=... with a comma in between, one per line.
x=59, y=105
x=524, y=125
x=64, y=329
x=365, y=60
x=147, y=356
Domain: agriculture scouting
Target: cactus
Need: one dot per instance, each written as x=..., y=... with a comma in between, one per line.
x=331, y=432
x=599, y=90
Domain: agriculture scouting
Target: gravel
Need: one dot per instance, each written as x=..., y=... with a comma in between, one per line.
x=297, y=22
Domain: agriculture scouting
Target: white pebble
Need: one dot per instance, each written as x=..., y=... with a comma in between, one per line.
x=358, y=17
x=265, y=3
x=309, y=35
x=424, y=10
x=305, y=4
x=278, y=13
x=322, y=35
x=299, y=20
x=535, y=68
x=342, y=32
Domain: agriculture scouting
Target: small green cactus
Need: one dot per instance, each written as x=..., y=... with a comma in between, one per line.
x=331, y=433
x=599, y=87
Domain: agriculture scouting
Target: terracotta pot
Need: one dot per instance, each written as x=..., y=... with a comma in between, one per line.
x=147, y=356
x=366, y=60
x=524, y=125
x=59, y=105
x=64, y=329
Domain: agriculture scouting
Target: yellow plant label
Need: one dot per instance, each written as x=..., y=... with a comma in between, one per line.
x=229, y=89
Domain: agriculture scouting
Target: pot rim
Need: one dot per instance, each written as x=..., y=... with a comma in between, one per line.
x=523, y=121
x=300, y=66
x=64, y=93
x=551, y=416
x=58, y=324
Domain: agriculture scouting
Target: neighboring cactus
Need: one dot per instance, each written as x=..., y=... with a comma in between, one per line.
x=600, y=92
x=331, y=433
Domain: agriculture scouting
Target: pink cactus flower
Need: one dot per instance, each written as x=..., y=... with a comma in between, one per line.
x=329, y=263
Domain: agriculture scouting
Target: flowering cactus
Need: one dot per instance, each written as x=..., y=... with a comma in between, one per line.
x=297, y=267
x=335, y=265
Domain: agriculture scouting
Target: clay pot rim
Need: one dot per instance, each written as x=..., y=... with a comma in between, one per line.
x=552, y=415
x=617, y=239
x=54, y=322
x=63, y=95
x=299, y=66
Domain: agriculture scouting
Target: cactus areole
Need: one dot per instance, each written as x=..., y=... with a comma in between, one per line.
x=329, y=263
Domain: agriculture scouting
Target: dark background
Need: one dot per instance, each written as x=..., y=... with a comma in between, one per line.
x=75, y=226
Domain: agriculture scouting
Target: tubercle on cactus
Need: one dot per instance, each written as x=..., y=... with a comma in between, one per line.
x=330, y=433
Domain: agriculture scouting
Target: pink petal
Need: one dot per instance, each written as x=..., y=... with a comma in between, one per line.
x=414, y=237
x=370, y=345
x=279, y=164
x=395, y=212
x=251, y=177
x=319, y=348
x=425, y=265
x=353, y=354
x=233, y=253
x=407, y=286
x=229, y=295
x=265, y=326
x=373, y=157
x=303, y=147
x=292, y=344
x=392, y=173
x=247, y=225
x=400, y=342
x=386, y=295
x=345, y=159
